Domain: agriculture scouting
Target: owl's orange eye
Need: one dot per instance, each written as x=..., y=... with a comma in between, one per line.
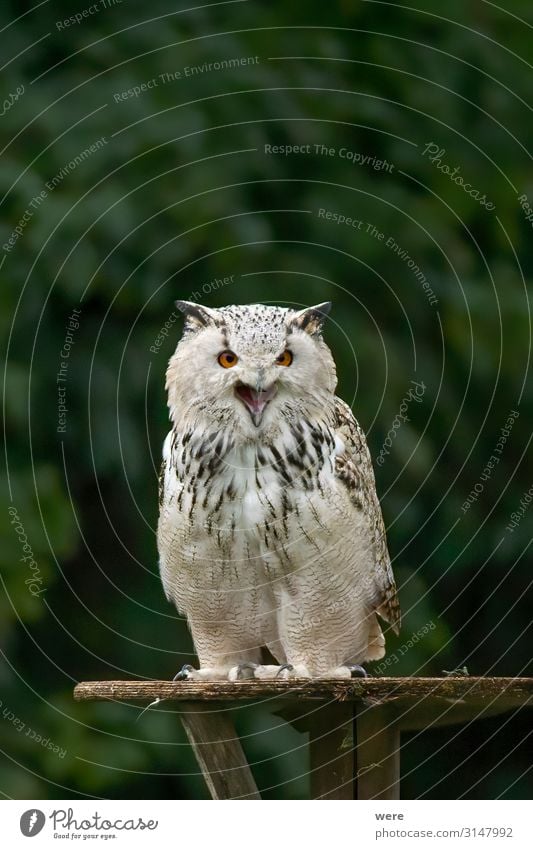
x=284, y=359
x=227, y=359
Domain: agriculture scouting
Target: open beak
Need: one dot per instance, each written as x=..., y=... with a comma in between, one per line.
x=255, y=400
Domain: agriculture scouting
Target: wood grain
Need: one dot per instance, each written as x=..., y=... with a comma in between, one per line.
x=514, y=692
x=348, y=759
x=218, y=750
x=377, y=754
x=331, y=751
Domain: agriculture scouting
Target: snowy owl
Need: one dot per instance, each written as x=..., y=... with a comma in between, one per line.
x=271, y=539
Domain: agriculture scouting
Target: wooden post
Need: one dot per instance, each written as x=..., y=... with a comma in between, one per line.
x=378, y=754
x=218, y=750
x=331, y=751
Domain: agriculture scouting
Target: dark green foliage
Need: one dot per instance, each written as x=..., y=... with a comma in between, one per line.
x=184, y=195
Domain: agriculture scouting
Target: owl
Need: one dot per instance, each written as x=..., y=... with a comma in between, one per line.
x=270, y=535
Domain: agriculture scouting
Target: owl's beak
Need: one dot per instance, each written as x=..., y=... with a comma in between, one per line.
x=255, y=400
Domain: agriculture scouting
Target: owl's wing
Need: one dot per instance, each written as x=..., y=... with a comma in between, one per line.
x=354, y=469
x=163, y=470
x=169, y=490
x=161, y=481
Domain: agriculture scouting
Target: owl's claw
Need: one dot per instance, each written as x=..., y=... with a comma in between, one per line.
x=185, y=673
x=357, y=671
x=243, y=672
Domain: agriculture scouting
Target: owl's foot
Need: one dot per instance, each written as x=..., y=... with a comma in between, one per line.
x=186, y=673
x=349, y=670
x=248, y=671
x=357, y=671
x=189, y=673
x=243, y=672
x=285, y=671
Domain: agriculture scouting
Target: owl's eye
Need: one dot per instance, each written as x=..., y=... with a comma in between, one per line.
x=227, y=359
x=284, y=359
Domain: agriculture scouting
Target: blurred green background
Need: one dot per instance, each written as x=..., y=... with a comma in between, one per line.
x=180, y=193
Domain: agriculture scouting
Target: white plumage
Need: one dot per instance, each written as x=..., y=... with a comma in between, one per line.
x=270, y=531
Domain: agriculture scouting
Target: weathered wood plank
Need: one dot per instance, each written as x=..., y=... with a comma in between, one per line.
x=510, y=692
x=378, y=754
x=331, y=751
x=440, y=713
x=382, y=706
x=218, y=750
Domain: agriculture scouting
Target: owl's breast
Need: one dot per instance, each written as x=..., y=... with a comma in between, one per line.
x=243, y=509
x=290, y=507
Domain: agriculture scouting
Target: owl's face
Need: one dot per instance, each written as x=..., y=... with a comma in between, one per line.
x=250, y=367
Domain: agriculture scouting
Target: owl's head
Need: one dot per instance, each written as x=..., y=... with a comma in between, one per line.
x=250, y=367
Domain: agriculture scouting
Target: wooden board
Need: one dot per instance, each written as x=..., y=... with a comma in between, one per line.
x=471, y=691
x=417, y=702
x=348, y=758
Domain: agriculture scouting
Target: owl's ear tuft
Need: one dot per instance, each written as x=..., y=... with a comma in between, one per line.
x=311, y=319
x=196, y=316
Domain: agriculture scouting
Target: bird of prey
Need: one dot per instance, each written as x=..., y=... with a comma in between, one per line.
x=271, y=538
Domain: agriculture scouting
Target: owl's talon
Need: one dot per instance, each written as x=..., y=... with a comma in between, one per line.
x=243, y=672
x=185, y=673
x=357, y=671
x=285, y=667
